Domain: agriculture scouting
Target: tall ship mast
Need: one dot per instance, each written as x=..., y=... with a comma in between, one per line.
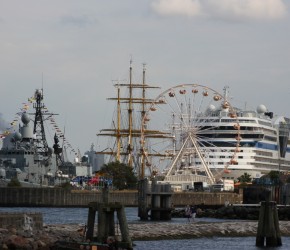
x=126, y=131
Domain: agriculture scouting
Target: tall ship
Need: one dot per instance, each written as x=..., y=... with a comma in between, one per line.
x=125, y=132
x=25, y=154
x=205, y=138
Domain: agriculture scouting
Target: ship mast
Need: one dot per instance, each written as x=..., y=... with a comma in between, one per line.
x=38, y=128
x=124, y=143
x=130, y=120
x=142, y=172
x=118, y=156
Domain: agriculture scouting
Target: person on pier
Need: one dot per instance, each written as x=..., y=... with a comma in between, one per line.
x=188, y=213
x=193, y=212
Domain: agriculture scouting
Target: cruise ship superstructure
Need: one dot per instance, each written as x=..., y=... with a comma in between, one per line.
x=208, y=139
x=264, y=144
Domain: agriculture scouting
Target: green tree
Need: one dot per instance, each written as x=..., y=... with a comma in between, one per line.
x=274, y=177
x=245, y=178
x=14, y=182
x=122, y=175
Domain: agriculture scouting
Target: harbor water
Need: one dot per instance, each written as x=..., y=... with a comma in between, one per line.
x=79, y=216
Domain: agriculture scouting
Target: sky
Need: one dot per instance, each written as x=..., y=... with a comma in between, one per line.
x=76, y=50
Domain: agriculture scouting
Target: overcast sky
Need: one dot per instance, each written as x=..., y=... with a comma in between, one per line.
x=77, y=48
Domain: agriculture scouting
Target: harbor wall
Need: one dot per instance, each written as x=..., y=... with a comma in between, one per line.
x=58, y=197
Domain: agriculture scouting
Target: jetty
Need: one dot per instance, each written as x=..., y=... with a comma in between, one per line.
x=156, y=203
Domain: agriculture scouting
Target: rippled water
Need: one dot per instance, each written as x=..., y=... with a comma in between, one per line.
x=215, y=243
x=79, y=216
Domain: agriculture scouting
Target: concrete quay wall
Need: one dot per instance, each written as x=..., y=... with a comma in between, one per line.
x=58, y=197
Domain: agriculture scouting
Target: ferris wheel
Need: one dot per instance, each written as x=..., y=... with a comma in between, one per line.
x=190, y=129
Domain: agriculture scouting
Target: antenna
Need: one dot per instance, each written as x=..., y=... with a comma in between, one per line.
x=42, y=82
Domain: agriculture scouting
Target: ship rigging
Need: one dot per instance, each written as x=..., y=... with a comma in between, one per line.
x=126, y=128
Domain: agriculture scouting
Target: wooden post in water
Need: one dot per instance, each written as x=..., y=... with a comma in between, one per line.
x=268, y=225
x=106, y=221
x=124, y=227
x=91, y=220
x=142, y=199
x=160, y=198
x=155, y=201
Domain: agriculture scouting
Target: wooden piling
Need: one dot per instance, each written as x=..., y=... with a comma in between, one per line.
x=106, y=221
x=102, y=223
x=124, y=227
x=268, y=225
x=91, y=221
x=142, y=199
x=159, y=198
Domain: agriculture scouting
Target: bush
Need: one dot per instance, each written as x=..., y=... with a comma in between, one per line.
x=14, y=182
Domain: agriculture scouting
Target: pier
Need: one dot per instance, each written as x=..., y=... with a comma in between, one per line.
x=154, y=203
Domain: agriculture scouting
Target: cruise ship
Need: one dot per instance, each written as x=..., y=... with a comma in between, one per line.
x=264, y=144
x=206, y=138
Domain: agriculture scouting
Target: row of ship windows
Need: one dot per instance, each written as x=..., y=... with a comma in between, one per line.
x=244, y=136
x=230, y=120
x=223, y=157
x=263, y=153
x=239, y=120
x=275, y=161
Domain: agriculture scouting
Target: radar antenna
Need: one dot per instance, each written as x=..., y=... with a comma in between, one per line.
x=38, y=128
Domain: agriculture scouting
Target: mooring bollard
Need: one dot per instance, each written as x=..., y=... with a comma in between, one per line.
x=268, y=225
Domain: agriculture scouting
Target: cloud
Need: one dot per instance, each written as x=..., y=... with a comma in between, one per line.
x=248, y=9
x=223, y=9
x=177, y=7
